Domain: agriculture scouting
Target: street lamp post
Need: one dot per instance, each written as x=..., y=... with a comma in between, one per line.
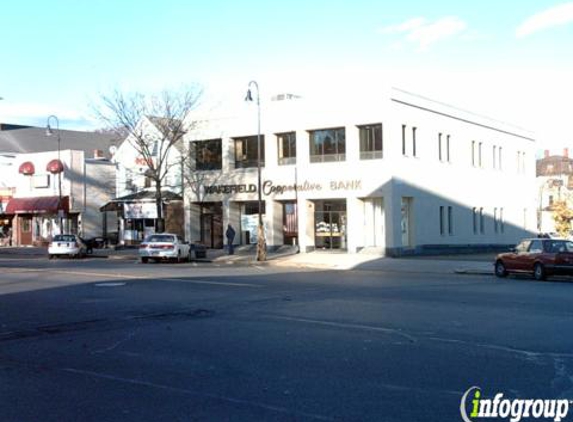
x=49, y=132
x=261, y=241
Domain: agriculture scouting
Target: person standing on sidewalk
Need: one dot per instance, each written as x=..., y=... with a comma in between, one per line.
x=230, y=234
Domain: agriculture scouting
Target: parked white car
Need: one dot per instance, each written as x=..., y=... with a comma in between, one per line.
x=161, y=246
x=67, y=245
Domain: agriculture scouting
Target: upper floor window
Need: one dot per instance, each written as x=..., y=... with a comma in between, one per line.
x=286, y=145
x=327, y=145
x=246, y=152
x=477, y=154
x=444, y=147
x=497, y=157
x=208, y=154
x=521, y=162
x=413, y=143
x=371, y=146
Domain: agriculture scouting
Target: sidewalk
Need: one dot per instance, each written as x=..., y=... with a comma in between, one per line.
x=287, y=256
x=345, y=261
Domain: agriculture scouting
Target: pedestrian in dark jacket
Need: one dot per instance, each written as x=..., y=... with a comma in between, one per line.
x=230, y=234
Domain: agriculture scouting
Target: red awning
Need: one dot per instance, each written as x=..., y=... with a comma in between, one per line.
x=26, y=168
x=55, y=166
x=47, y=204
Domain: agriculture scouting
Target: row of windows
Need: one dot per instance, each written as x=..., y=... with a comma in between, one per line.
x=446, y=220
x=446, y=216
x=478, y=220
x=329, y=145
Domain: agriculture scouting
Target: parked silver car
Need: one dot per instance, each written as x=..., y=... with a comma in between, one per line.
x=67, y=245
x=161, y=246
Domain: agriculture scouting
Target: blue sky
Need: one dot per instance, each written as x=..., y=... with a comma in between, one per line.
x=508, y=60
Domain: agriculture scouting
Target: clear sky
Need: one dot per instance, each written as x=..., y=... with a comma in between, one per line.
x=509, y=60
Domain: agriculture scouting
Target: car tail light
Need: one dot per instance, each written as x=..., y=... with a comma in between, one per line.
x=167, y=247
x=143, y=246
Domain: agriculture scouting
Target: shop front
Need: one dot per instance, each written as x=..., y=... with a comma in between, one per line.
x=138, y=218
x=36, y=220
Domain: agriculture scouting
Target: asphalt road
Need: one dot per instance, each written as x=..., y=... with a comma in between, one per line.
x=100, y=340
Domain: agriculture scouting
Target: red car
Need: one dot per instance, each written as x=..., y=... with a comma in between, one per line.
x=540, y=257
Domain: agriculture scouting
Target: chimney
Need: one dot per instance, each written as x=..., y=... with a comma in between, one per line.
x=98, y=154
x=566, y=152
x=546, y=153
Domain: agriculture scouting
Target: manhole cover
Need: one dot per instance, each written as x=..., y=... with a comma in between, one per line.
x=110, y=284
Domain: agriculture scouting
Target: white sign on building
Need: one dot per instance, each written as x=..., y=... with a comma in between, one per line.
x=140, y=210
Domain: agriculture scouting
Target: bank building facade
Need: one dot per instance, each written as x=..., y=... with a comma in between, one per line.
x=392, y=172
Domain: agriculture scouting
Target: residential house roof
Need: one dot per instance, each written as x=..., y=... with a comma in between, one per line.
x=19, y=140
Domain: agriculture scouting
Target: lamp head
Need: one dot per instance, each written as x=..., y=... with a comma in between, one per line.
x=249, y=96
x=49, y=130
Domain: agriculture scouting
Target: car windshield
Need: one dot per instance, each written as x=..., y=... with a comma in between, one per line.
x=64, y=238
x=160, y=238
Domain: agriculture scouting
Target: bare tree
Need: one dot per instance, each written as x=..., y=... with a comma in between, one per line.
x=153, y=125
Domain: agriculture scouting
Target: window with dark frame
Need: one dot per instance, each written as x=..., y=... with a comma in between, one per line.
x=371, y=141
x=448, y=148
x=450, y=220
x=327, y=145
x=252, y=208
x=403, y=139
x=208, y=154
x=246, y=152
x=286, y=146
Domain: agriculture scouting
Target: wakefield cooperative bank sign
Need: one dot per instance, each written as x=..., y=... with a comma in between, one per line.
x=474, y=407
x=270, y=188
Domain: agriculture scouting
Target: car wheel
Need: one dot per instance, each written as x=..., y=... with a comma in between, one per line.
x=50, y=256
x=189, y=257
x=500, y=270
x=144, y=260
x=179, y=257
x=539, y=272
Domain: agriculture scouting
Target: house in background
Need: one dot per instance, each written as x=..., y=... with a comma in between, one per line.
x=554, y=183
x=54, y=191
x=135, y=204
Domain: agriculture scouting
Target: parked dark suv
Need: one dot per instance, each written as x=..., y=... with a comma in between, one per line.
x=539, y=257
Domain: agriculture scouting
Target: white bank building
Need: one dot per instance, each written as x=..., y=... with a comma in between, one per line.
x=394, y=174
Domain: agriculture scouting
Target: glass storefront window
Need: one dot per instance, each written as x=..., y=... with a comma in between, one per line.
x=330, y=224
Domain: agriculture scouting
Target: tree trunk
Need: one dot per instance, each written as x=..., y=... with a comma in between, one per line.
x=160, y=226
x=261, y=244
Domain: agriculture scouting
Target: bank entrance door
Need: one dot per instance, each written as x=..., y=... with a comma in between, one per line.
x=212, y=225
x=330, y=224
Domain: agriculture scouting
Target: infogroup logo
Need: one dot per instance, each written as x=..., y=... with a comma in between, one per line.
x=513, y=409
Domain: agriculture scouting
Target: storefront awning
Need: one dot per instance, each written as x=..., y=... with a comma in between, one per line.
x=117, y=204
x=40, y=204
